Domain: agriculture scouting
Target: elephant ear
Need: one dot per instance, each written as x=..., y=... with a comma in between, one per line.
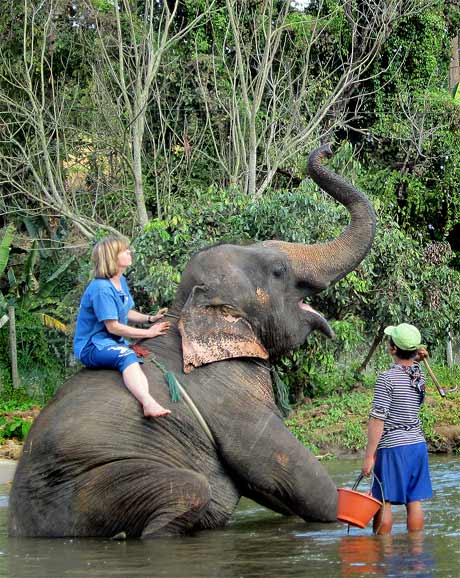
x=211, y=331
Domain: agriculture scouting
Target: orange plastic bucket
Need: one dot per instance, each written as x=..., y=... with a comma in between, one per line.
x=356, y=508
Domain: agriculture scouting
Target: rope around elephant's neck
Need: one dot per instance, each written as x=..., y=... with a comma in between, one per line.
x=170, y=377
x=171, y=315
x=280, y=389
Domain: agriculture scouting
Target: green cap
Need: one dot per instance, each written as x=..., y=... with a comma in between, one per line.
x=405, y=336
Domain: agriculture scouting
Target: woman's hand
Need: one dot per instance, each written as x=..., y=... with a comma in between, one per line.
x=422, y=354
x=161, y=313
x=157, y=329
x=368, y=465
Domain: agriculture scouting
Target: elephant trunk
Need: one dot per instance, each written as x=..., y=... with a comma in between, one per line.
x=321, y=264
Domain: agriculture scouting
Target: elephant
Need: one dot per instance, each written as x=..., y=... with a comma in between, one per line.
x=93, y=466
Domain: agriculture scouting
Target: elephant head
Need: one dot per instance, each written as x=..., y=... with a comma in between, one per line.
x=249, y=301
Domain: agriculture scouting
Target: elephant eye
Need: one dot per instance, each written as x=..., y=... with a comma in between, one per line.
x=279, y=270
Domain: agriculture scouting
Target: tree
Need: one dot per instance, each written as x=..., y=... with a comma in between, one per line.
x=400, y=280
x=408, y=134
x=127, y=62
x=280, y=78
x=38, y=135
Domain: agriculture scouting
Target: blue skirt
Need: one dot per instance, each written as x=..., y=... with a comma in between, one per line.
x=404, y=474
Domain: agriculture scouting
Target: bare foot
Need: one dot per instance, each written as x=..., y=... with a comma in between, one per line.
x=154, y=409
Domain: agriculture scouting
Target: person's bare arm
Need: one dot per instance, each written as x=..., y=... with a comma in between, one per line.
x=137, y=317
x=116, y=328
x=374, y=433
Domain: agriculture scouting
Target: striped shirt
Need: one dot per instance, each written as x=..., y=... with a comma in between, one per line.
x=397, y=402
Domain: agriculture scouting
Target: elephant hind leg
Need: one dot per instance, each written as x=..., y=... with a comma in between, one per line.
x=183, y=501
x=141, y=499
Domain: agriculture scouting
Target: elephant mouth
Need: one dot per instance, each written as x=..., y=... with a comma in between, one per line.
x=316, y=320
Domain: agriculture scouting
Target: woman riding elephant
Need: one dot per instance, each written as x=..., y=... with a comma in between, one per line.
x=102, y=323
x=94, y=466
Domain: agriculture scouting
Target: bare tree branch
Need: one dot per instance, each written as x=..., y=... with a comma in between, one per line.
x=282, y=95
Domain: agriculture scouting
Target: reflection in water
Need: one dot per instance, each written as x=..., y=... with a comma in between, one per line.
x=359, y=555
x=260, y=544
x=386, y=556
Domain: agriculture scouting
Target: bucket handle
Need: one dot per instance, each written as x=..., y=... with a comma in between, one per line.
x=371, y=478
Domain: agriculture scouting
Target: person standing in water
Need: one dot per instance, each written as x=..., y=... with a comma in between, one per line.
x=102, y=323
x=396, y=447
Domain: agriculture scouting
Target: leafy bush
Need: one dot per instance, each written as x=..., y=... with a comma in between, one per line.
x=16, y=414
x=42, y=357
x=324, y=366
x=217, y=215
x=401, y=279
x=14, y=426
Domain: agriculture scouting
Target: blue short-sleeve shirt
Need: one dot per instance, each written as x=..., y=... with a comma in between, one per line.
x=101, y=301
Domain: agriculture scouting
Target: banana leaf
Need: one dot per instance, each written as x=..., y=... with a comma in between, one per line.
x=47, y=286
x=35, y=299
x=28, y=275
x=12, y=279
x=5, y=245
x=53, y=323
x=3, y=304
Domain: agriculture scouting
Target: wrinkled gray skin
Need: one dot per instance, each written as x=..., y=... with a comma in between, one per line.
x=94, y=466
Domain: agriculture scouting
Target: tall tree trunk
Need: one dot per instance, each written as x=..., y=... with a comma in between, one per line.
x=13, y=348
x=454, y=70
x=252, y=165
x=377, y=341
x=137, y=174
x=449, y=352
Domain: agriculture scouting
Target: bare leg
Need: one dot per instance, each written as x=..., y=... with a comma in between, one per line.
x=383, y=520
x=415, y=520
x=136, y=381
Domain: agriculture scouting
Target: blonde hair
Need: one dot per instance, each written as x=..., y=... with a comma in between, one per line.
x=105, y=256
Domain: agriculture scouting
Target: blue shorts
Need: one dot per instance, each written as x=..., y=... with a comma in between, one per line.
x=113, y=357
x=404, y=474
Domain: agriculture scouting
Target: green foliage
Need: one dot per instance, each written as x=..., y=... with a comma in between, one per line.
x=5, y=246
x=405, y=132
x=35, y=300
x=32, y=342
x=313, y=370
x=16, y=427
x=401, y=280
x=103, y=5
x=334, y=421
x=412, y=142
x=420, y=131
x=15, y=420
x=218, y=215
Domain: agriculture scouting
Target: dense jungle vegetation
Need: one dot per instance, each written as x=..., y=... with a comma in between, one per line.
x=183, y=123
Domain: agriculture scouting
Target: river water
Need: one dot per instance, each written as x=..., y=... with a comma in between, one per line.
x=260, y=543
